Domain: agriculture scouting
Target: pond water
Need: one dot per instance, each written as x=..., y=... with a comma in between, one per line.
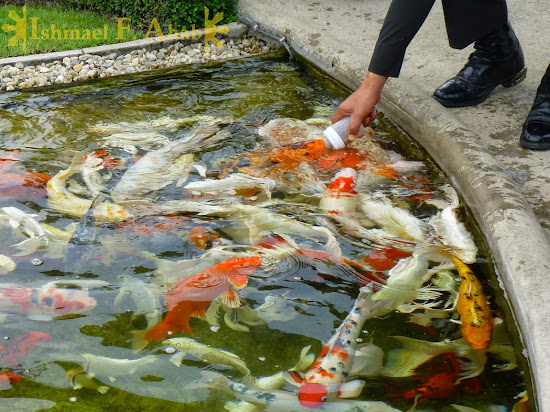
x=121, y=272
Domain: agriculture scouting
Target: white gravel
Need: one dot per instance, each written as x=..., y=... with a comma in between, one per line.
x=87, y=66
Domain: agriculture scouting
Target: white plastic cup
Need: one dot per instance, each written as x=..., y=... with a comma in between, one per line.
x=336, y=135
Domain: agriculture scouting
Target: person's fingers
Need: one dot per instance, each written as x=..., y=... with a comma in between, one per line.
x=354, y=125
x=340, y=113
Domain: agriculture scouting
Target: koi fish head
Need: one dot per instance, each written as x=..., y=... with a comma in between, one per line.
x=313, y=395
x=344, y=181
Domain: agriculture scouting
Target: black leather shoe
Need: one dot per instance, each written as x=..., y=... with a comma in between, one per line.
x=536, y=129
x=497, y=59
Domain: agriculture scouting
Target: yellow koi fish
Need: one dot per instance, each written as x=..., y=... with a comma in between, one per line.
x=473, y=308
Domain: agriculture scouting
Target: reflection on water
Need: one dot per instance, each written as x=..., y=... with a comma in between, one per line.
x=86, y=283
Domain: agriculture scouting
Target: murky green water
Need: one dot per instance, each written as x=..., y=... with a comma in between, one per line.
x=49, y=127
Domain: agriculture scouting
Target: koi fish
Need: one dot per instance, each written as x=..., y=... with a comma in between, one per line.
x=473, y=308
x=159, y=168
x=6, y=265
x=207, y=354
x=385, y=257
x=147, y=302
x=7, y=378
x=23, y=186
x=280, y=400
x=235, y=184
x=342, y=358
x=62, y=200
x=10, y=351
x=203, y=239
x=342, y=158
x=339, y=202
x=396, y=221
x=191, y=296
x=284, y=131
x=452, y=232
x=436, y=379
x=44, y=303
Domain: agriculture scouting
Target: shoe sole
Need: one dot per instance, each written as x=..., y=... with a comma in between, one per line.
x=534, y=146
x=510, y=82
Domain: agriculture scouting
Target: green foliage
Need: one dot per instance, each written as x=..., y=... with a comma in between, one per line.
x=181, y=14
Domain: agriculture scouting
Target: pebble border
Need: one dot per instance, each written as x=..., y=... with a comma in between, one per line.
x=71, y=66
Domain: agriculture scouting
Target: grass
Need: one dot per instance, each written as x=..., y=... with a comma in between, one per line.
x=72, y=30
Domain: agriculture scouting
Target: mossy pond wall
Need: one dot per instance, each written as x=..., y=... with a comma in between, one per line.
x=88, y=287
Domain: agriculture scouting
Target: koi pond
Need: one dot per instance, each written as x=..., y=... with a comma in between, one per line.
x=182, y=240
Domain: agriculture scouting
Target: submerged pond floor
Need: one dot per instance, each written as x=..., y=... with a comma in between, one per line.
x=45, y=132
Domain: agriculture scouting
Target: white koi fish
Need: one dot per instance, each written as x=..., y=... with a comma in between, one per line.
x=25, y=221
x=147, y=302
x=342, y=358
x=233, y=184
x=207, y=354
x=395, y=220
x=159, y=168
x=62, y=200
x=452, y=232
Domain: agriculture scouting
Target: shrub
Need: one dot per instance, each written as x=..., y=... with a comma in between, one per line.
x=180, y=13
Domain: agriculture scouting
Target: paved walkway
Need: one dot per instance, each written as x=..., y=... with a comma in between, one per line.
x=478, y=146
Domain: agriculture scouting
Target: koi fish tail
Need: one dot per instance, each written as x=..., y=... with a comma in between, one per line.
x=210, y=380
x=436, y=253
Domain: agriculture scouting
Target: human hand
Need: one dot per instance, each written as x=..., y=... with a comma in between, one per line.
x=360, y=104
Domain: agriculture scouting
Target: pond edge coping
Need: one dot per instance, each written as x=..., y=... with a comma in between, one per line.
x=236, y=30
x=514, y=236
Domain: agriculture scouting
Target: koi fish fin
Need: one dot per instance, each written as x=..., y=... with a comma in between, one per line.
x=231, y=320
x=401, y=363
x=505, y=353
x=231, y=298
x=212, y=314
x=121, y=294
x=238, y=281
x=367, y=360
x=200, y=169
x=351, y=389
x=248, y=380
x=478, y=359
x=41, y=317
x=103, y=389
x=210, y=380
x=111, y=378
x=138, y=340
x=177, y=359
x=306, y=359
x=435, y=253
x=293, y=377
x=242, y=406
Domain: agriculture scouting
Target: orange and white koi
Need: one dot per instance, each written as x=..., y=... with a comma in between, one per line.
x=44, y=303
x=191, y=296
x=327, y=379
x=339, y=202
x=473, y=308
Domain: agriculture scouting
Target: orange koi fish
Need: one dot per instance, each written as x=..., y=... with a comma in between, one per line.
x=12, y=350
x=473, y=308
x=340, y=158
x=191, y=296
x=327, y=379
x=385, y=257
x=24, y=186
x=7, y=377
x=202, y=238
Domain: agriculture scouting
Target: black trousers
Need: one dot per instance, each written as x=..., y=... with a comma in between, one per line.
x=466, y=21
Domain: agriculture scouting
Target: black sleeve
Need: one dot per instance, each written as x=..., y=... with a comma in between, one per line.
x=402, y=22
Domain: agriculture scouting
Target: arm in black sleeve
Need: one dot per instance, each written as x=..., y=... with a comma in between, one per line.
x=404, y=19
